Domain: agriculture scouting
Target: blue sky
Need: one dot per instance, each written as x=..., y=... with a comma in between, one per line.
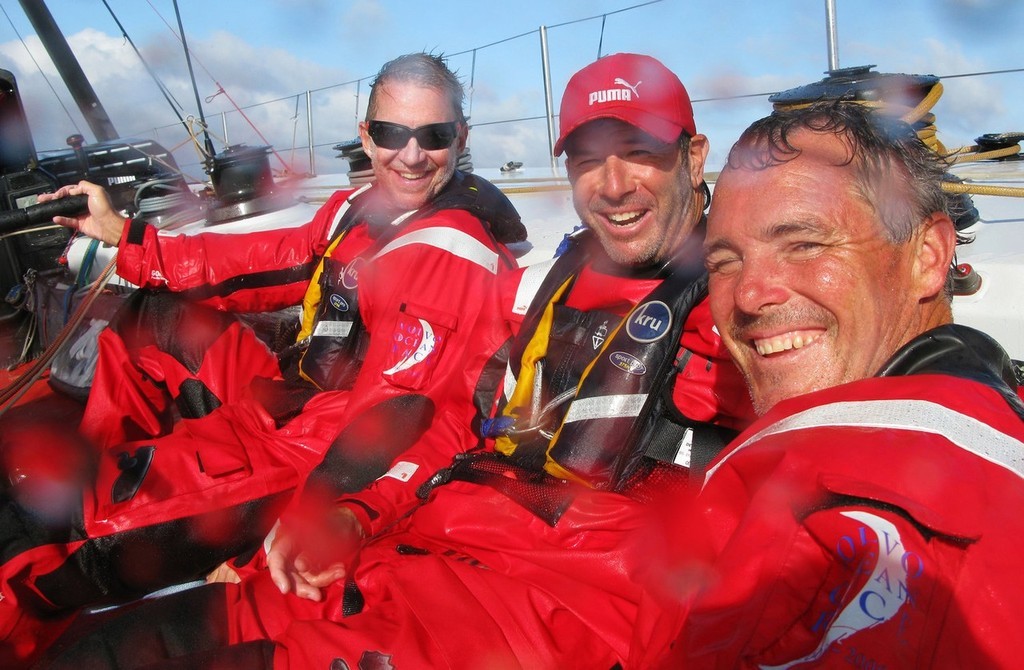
x=276, y=50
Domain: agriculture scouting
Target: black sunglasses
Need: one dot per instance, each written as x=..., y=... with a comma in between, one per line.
x=430, y=137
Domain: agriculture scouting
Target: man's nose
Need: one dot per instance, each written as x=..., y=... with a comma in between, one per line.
x=412, y=153
x=761, y=283
x=617, y=180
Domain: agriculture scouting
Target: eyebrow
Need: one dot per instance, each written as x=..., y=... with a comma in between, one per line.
x=772, y=232
x=718, y=245
x=579, y=149
x=787, y=228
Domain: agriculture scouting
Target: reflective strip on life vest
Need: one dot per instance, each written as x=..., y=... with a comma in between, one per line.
x=344, y=209
x=529, y=283
x=332, y=329
x=606, y=407
x=509, y=386
x=922, y=416
x=455, y=242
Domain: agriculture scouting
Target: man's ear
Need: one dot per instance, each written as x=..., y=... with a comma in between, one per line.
x=699, y=148
x=369, y=148
x=462, y=139
x=935, y=242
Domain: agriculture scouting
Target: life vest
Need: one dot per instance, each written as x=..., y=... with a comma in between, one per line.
x=612, y=390
x=332, y=332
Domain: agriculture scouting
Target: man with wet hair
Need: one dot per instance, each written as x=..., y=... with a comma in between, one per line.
x=870, y=517
x=394, y=280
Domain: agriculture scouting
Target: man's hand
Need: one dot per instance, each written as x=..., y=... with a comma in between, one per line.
x=102, y=223
x=310, y=553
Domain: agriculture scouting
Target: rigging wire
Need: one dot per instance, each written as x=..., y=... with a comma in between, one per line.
x=168, y=96
x=176, y=106
x=220, y=89
x=208, y=143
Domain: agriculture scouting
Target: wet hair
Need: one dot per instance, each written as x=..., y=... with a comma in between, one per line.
x=424, y=69
x=895, y=172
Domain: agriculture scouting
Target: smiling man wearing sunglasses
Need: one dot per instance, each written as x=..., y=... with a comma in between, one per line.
x=393, y=278
x=413, y=155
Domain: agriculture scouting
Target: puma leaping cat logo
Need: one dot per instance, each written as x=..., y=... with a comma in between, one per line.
x=622, y=82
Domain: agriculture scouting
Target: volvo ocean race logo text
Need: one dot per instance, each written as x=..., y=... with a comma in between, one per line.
x=649, y=322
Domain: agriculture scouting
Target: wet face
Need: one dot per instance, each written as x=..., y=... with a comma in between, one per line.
x=805, y=288
x=411, y=176
x=634, y=191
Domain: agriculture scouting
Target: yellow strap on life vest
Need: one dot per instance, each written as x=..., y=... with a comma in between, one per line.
x=311, y=300
x=535, y=350
x=550, y=465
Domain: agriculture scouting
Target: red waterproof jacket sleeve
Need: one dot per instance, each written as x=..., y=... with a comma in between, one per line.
x=269, y=271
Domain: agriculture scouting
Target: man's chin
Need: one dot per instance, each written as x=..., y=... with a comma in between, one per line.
x=629, y=255
x=407, y=200
x=774, y=393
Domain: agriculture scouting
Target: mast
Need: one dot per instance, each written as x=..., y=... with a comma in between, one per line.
x=831, y=35
x=69, y=69
x=549, y=104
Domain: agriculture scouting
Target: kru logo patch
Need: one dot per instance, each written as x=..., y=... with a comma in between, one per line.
x=627, y=363
x=350, y=275
x=649, y=322
x=338, y=303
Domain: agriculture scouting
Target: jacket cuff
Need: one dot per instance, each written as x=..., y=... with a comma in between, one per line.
x=135, y=231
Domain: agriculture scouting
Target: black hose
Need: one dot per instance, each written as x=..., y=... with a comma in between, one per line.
x=43, y=212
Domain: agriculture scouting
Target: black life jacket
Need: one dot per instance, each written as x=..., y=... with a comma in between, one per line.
x=593, y=393
x=959, y=351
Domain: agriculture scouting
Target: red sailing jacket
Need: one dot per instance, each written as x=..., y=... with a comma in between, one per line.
x=871, y=525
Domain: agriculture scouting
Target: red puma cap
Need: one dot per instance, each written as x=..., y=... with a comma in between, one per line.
x=633, y=88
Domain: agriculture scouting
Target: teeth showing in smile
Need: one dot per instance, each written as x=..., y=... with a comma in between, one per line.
x=412, y=175
x=625, y=217
x=774, y=345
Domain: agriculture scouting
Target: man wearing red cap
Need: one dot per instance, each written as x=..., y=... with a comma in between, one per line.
x=527, y=553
